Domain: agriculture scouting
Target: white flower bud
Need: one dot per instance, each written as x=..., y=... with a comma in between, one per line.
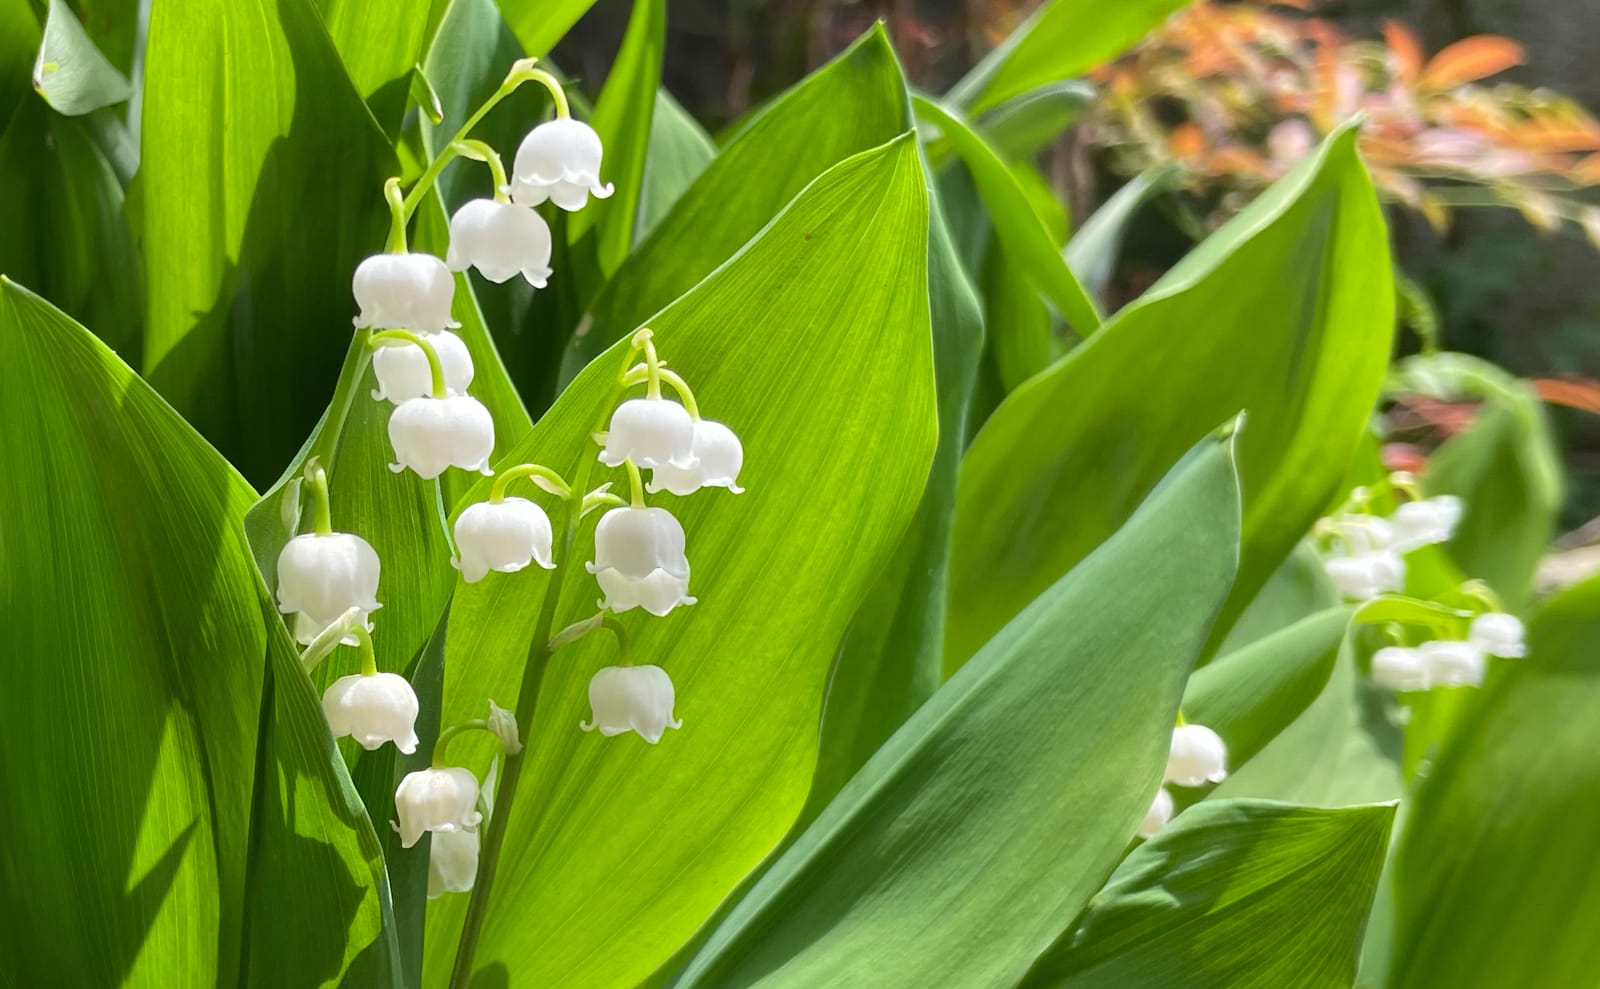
x=1399, y=668
x=321, y=577
x=1423, y=523
x=437, y=800
x=639, y=560
x=452, y=862
x=631, y=698
x=504, y=536
x=559, y=160
x=720, y=456
x=1362, y=533
x=431, y=434
x=501, y=241
x=373, y=708
x=403, y=371
x=1498, y=634
x=1158, y=815
x=504, y=725
x=1367, y=575
x=404, y=292
x=1197, y=756
x=1453, y=664
x=651, y=432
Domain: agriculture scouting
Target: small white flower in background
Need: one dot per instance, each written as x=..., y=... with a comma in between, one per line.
x=321, y=577
x=1423, y=523
x=559, y=160
x=437, y=800
x=1452, y=663
x=432, y=434
x=501, y=241
x=651, y=432
x=1399, y=668
x=720, y=456
x=1197, y=756
x=404, y=292
x=403, y=372
x=373, y=708
x=452, y=862
x=639, y=560
x=1158, y=815
x=1498, y=634
x=1366, y=575
x=1361, y=533
x=631, y=698
x=505, y=536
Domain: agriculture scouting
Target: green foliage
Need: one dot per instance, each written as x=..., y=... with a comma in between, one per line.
x=70, y=73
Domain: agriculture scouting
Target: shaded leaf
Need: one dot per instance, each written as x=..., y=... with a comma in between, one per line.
x=70, y=73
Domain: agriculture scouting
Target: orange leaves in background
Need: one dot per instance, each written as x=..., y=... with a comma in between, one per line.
x=1470, y=60
x=1576, y=393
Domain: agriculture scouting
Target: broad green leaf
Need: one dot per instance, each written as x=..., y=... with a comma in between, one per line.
x=1233, y=894
x=1298, y=589
x=260, y=197
x=70, y=73
x=1022, y=126
x=538, y=26
x=149, y=688
x=1020, y=333
x=1497, y=876
x=680, y=150
x=1285, y=312
x=833, y=397
x=1062, y=39
x=853, y=103
x=1003, y=803
x=1094, y=247
x=380, y=42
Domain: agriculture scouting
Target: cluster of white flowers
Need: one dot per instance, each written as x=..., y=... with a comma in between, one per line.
x=1197, y=756
x=1450, y=662
x=1366, y=556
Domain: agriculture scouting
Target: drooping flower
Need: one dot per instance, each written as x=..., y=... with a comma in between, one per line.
x=1498, y=634
x=432, y=434
x=452, y=862
x=651, y=432
x=1158, y=815
x=639, y=560
x=1453, y=663
x=437, y=800
x=631, y=698
x=500, y=240
x=404, y=292
x=559, y=160
x=1399, y=668
x=1423, y=523
x=505, y=536
x=1366, y=575
x=403, y=371
x=320, y=577
x=720, y=456
x=1197, y=756
x=373, y=708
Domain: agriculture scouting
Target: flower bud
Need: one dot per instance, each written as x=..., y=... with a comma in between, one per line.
x=651, y=432
x=321, y=577
x=1197, y=756
x=452, y=862
x=720, y=456
x=431, y=434
x=1453, y=664
x=504, y=725
x=1399, y=668
x=559, y=160
x=500, y=240
x=373, y=708
x=404, y=292
x=437, y=800
x=639, y=560
x=1158, y=815
x=403, y=371
x=1498, y=634
x=504, y=536
x=1423, y=523
x=1366, y=575
x=631, y=698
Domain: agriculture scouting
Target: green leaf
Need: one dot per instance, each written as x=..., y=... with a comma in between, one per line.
x=1004, y=802
x=425, y=96
x=1232, y=894
x=1094, y=247
x=380, y=41
x=680, y=150
x=1298, y=589
x=833, y=398
x=148, y=689
x=262, y=196
x=1024, y=125
x=70, y=73
x=538, y=26
x=1284, y=312
x=1497, y=875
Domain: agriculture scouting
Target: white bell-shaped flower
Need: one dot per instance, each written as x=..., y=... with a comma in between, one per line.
x=559, y=160
x=1498, y=634
x=1399, y=668
x=437, y=800
x=404, y=292
x=639, y=560
x=1366, y=575
x=403, y=372
x=373, y=708
x=1197, y=756
x=658, y=593
x=651, y=432
x=1453, y=663
x=1360, y=533
x=501, y=241
x=1158, y=815
x=720, y=456
x=631, y=698
x=452, y=862
x=1423, y=523
x=431, y=434
x=504, y=536
x=322, y=577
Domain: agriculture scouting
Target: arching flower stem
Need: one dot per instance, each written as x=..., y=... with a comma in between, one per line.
x=640, y=374
x=543, y=476
x=443, y=741
x=636, y=483
x=601, y=619
x=321, y=510
x=479, y=151
x=398, y=338
x=398, y=216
